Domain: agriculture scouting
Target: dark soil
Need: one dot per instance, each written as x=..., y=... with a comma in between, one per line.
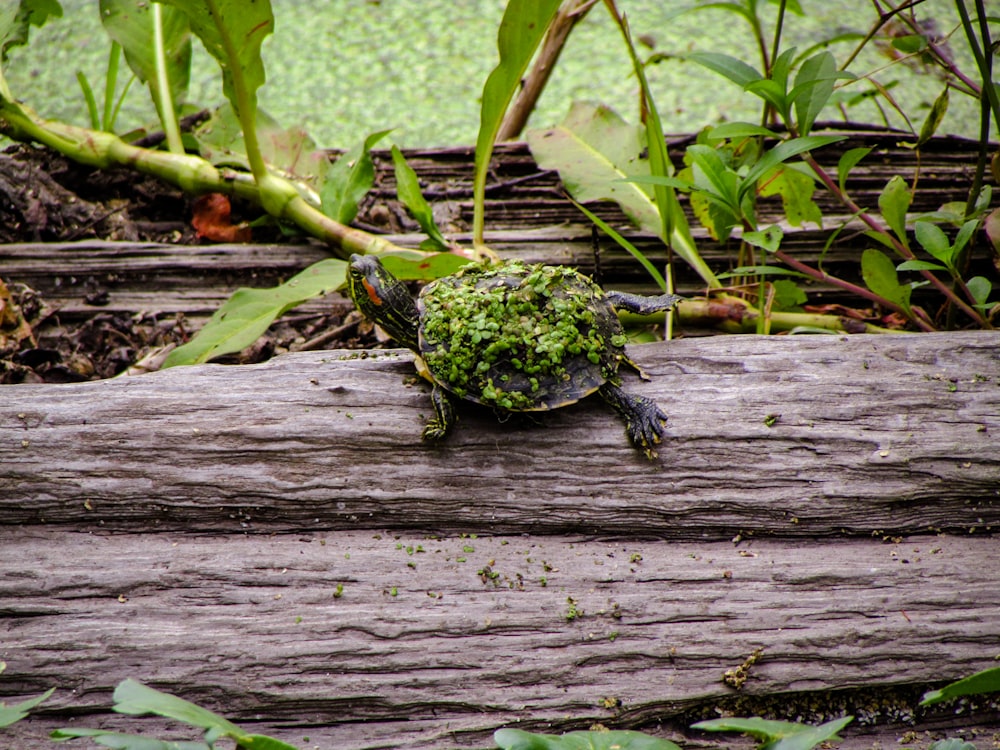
x=47, y=198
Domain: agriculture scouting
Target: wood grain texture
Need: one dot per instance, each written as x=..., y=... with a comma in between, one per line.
x=436, y=642
x=893, y=434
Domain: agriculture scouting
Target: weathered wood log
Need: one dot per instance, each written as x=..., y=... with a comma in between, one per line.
x=798, y=436
x=362, y=640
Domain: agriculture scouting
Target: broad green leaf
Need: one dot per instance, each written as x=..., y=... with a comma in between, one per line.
x=135, y=699
x=244, y=317
x=778, y=735
x=517, y=739
x=232, y=32
x=131, y=24
x=523, y=25
x=417, y=266
x=880, y=277
x=734, y=130
x=783, y=152
x=980, y=288
x=992, y=228
x=773, y=93
x=714, y=177
x=732, y=68
x=788, y=296
x=813, y=87
x=893, y=202
x=768, y=239
x=348, y=181
x=17, y=711
x=796, y=190
x=933, y=239
x=17, y=16
x=119, y=741
x=408, y=190
x=987, y=681
x=848, y=160
x=594, y=151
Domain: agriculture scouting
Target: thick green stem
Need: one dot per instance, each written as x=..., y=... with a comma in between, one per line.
x=190, y=173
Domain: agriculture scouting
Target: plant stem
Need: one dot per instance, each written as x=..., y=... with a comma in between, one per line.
x=899, y=247
x=190, y=173
x=163, y=99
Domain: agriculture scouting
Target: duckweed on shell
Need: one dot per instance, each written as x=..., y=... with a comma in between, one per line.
x=519, y=336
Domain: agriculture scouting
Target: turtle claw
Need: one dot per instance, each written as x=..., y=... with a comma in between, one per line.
x=644, y=420
x=438, y=427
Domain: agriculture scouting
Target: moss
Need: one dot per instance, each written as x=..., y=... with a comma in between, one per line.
x=519, y=336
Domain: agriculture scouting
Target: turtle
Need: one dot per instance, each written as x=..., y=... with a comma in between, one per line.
x=513, y=336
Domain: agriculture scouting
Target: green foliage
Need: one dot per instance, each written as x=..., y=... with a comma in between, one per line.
x=14, y=713
x=516, y=739
x=244, y=317
x=521, y=30
x=408, y=190
x=135, y=699
x=880, y=276
x=987, y=681
x=349, y=180
x=778, y=735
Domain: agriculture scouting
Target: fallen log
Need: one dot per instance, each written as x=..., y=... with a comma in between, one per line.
x=795, y=436
x=362, y=640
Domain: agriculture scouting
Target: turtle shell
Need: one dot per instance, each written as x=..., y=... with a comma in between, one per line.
x=519, y=337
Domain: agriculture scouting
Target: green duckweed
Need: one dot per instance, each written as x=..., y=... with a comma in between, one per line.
x=519, y=336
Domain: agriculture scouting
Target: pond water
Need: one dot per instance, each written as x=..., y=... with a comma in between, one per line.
x=344, y=69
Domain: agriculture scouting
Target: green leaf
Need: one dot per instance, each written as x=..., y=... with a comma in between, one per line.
x=17, y=711
x=910, y=43
x=980, y=288
x=763, y=271
x=715, y=178
x=893, y=201
x=418, y=266
x=964, y=235
x=796, y=190
x=769, y=239
x=130, y=23
x=934, y=118
x=987, y=681
x=933, y=239
x=594, y=151
x=232, y=32
x=779, y=735
x=848, y=161
x=783, y=152
x=408, y=190
x=733, y=130
x=16, y=18
x=135, y=699
x=624, y=243
x=248, y=313
x=348, y=181
x=788, y=296
x=919, y=265
x=813, y=87
x=517, y=739
x=119, y=741
x=732, y=68
x=521, y=30
x=880, y=277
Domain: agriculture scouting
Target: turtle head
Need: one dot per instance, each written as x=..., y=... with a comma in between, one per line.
x=383, y=299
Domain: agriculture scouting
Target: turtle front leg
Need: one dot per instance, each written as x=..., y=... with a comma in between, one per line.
x=644, y=420
x=641, y=305
x=444, y=415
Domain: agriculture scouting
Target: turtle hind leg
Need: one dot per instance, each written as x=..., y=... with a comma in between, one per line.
x=644, y=420
x=444, y=417
x=641, y=305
